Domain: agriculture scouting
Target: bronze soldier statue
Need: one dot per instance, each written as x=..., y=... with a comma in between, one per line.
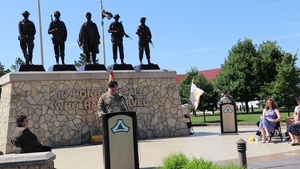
x=117, y=33
x=59, y=35
x=26, y=37
x=89, y=38
x=145, y=37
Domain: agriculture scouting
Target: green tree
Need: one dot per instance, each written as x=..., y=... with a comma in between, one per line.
x=18, y=62
x=208, y=99
x=3, y=71
x=284, y=88
x=239, y=72
x=185, y=85
x=82, y=61
x=270, y=54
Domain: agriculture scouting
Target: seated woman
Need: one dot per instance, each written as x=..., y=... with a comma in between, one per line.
x=294, y=128
x=270, y=117
x=290, y=120
x=28, y=140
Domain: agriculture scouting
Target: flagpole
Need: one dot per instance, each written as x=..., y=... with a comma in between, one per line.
x=40, y=30
x=102, y=27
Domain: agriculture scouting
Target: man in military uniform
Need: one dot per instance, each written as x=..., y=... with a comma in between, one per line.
x=111, y=101
x=59, y=35
x=26, y=37
x=117, y=33
x=145, y=36
x=89, y=38
x=226, y=98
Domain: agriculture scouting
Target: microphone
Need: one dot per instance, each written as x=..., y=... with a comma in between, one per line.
x=124, y=103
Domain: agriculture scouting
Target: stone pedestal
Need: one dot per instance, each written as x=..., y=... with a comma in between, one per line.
x=28, y=68
x=146, y=67
x=62, y=68
x=120, y=67
x=92, y=67
x=62, y=105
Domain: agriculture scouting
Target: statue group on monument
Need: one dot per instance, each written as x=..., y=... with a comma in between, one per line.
x=88, y=41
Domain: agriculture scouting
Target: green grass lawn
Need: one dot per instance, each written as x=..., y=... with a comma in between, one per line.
x=242, y=117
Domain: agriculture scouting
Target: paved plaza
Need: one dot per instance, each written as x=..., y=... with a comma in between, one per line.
x=207, y=142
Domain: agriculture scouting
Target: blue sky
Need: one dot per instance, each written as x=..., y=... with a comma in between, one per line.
x=190, y=33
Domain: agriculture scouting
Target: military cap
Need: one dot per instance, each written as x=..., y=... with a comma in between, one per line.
x=56, y=13
x=225, y=91
x=88, y=13
x=25, y=13
x=113, y=84
x=116, y=16
x=297, y=97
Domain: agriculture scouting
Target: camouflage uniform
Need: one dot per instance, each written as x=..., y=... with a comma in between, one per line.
x=227, y=99
x=110, y=103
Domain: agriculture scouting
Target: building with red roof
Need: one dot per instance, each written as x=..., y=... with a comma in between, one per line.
x=210, y=74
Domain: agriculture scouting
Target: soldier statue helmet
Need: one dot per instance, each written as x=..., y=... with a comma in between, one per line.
x=56, y=13
x=143, y=19
x=25, y=13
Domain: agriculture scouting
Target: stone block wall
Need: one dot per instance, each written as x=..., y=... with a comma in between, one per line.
x=42, y=160
x=62, y=106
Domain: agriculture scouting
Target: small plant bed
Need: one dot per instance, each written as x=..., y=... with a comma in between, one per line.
x=180, y=161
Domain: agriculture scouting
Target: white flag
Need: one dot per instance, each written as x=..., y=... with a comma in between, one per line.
x=195, y=94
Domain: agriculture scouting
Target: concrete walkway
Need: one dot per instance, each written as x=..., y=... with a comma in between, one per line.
x=207, y=142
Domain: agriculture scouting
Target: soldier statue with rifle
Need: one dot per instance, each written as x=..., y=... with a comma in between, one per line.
x=145, y=37
x=26, y=37
x=59, y=35
x=117, y=33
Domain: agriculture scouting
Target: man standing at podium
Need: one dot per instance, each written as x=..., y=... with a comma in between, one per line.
x=226, y=98
x=111, y=101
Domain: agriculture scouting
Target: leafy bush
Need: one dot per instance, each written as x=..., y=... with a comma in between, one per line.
x=180, y=161
x=175, y=161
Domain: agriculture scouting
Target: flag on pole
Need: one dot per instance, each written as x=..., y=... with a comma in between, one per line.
x=195, y=94
x=111, y=76
x=106, y=14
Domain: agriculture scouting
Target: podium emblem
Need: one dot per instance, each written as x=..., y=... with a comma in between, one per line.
x=120, y=126
x=228, y=110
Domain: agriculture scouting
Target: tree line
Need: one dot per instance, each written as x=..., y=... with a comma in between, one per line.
x=250, y=72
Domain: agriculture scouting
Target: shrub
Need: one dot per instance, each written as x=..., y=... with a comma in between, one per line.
x=180, y=161
x=175, y=161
